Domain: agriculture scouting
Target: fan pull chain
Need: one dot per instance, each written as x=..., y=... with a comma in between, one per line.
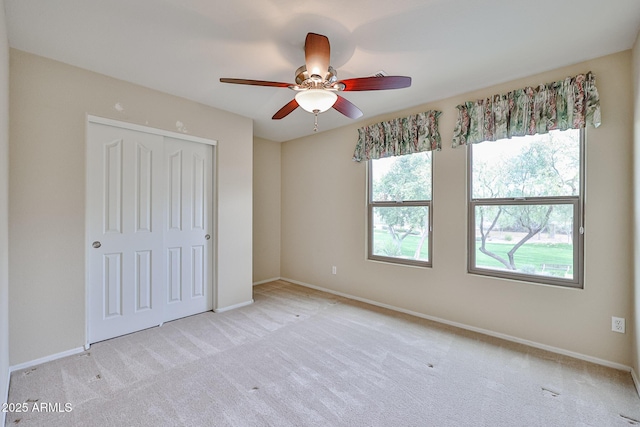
x=315, y=122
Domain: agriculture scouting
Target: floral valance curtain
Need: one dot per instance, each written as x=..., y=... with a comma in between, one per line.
x=568, y=104
x=396, y=137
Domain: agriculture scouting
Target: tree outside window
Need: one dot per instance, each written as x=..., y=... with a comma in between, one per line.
x=400, y=209
x=526, y=208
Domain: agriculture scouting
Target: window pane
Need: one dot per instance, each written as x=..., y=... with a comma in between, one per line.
x=401, y=232
x=401, y=178
x=531, y=166
x=526, y=239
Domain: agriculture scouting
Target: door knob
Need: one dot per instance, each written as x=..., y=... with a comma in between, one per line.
x=207, y=236
x=96, y=244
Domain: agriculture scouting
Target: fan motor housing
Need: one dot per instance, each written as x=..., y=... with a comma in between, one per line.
x=303, y=78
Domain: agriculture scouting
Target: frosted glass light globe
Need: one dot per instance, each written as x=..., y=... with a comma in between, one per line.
x=316, y=99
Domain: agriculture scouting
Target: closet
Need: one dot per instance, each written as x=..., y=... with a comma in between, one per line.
x=149, y=227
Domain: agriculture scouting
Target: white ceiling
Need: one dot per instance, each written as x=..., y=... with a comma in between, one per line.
x=448, y=47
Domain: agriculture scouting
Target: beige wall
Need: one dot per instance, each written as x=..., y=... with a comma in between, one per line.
x=323, y=224
x=48, y=104
x=636, y=222
x=4, y=209
x=266, y=208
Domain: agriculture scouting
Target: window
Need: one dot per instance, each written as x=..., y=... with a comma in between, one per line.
x=400, y=209
x=526, y=208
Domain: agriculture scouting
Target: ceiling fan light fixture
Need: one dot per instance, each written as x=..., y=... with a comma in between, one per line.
x=316, y=83
x=316, y=100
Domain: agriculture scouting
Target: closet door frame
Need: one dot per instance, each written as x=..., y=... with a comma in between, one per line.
x=164, y=133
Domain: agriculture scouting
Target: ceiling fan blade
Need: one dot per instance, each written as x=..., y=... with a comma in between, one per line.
x=347, y=108
x=286, y=110
x=254, y=82
x=316, y=53
x=376, y=83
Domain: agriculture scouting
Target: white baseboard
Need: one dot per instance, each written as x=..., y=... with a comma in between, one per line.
x=45, y=359
x=5, y=398
x=552, y=349
x=534, y=344
x=233, y=307
x=78, y=350
x=266, y=281
x=636, y=382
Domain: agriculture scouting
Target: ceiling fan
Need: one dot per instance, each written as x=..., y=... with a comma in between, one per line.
x=317, y=83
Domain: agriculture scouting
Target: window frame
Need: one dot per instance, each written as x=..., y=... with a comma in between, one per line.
x=371, y=205
x=578, y=203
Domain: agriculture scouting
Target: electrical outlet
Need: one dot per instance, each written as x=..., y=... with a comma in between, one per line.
x=617, y=324
x=334, y=270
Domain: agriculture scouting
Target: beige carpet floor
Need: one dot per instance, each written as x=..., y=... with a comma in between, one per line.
x=299, y=357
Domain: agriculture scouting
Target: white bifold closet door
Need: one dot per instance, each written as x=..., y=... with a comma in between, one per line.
x=149, y=225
